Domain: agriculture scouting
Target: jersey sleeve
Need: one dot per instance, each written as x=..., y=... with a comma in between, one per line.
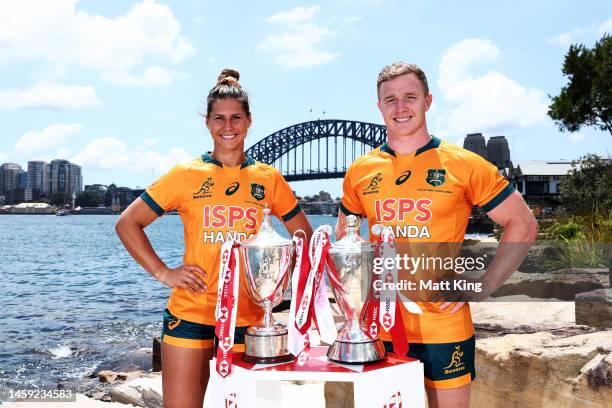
x=486, y=187
x=350, y=204
x=165, y=193
x=285, y=206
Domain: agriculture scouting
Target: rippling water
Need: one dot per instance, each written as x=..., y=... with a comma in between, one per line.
x=73, y=299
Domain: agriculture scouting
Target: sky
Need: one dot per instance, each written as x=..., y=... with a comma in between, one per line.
x=117, y=86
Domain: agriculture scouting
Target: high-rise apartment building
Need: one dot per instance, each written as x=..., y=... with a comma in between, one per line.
x=475, y=142
x=66, y=177
x=498, y=151
x=10, y=177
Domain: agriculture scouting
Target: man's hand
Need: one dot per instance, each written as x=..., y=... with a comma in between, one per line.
x=190, y=277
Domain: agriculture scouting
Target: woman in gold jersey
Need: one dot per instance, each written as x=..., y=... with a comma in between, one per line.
x=218, y=195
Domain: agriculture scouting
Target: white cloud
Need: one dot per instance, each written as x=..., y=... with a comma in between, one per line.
x=489, y=103
x=109, y=153
x=296, y=15
x=605, y=27
x=564, y=40
x=576, y=137
x=59, y=33
x=300, y=44
x=53, y=136
x=49, y=95
x=154, y=76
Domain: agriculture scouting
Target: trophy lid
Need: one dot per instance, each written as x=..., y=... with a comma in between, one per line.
x=266, y=237
x=352, y=242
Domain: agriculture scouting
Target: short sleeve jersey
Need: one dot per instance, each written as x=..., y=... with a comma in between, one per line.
x=426, y=196
x=217, y=203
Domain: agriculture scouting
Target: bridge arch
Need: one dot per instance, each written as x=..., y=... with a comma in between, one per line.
x=331, y=161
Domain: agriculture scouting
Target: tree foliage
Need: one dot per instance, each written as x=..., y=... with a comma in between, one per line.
x=586, y=188
x=87, y=199
x=587, y=99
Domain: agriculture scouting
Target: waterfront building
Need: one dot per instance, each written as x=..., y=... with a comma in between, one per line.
x=538, y=180
x=498, y=152
x=475, y=142
x=39, y=179
x=10, y=176
x=66, y=178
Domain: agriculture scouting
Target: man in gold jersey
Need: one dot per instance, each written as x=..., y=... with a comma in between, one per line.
x=424, y=188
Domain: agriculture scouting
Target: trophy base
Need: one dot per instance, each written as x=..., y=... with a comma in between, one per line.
x=266, y=348
x=346, y=352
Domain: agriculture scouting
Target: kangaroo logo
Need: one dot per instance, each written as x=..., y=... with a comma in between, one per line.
x=456, y=358
x=374, y=184
x=204, y=190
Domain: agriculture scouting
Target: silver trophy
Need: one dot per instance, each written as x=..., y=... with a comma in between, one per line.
x=267, y=258
x=354, y=261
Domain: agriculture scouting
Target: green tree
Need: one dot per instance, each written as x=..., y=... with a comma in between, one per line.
x=58, y=199
x=586, y=188
x=87, y=199
x=587, y=99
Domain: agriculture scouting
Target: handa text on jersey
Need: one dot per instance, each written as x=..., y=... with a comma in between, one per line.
x=214, y=237
x=227, y=216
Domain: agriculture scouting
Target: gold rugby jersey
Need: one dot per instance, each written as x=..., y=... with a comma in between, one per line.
x=217, y=203
x=427, y=197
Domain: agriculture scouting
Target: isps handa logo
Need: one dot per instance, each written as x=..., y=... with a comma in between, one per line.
x=204, y=191
x=231, y=400
x=455, y=364
x=395, y=401
x=374, y=185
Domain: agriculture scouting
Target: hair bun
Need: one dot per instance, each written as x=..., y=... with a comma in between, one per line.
x=229, y=76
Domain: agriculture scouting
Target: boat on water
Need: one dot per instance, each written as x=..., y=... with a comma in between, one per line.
x=62, y=212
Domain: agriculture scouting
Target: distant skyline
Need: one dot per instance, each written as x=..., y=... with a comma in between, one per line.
x=117, y=86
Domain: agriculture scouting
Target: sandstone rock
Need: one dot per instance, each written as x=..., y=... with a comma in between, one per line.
x=563, y=284
x=543, y=370
x=141, y=392
x=594, y=308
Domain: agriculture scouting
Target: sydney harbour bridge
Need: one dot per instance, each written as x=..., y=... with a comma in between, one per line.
x=319, y=149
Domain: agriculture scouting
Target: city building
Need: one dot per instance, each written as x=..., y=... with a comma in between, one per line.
x=10, y=176
x=498, y=152
x=11, y=180
x=66, y=178
x=475, y=142
x=39, y=180
x=538, y=180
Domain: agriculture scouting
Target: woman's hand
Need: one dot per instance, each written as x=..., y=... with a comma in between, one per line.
x=190, y=277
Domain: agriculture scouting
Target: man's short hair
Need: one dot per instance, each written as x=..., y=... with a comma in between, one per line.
x=399, y=68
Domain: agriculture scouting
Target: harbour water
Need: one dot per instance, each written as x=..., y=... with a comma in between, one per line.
x=74, y=301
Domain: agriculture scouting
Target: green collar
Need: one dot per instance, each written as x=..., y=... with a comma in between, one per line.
x=433, y=143
x=207, y=158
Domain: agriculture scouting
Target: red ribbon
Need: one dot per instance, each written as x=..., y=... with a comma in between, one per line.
x=226, y=305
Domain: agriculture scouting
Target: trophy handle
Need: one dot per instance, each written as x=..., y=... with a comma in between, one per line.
x=297, y=232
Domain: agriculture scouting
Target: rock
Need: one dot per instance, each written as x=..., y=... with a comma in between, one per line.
x=521, y=313
x=543, y=370
x=157, y=360
x=107, y=376
x=141, y=392
x=594, y=308
x=563, y=284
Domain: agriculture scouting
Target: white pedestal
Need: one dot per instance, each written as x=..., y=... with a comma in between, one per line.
x=388, y=384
